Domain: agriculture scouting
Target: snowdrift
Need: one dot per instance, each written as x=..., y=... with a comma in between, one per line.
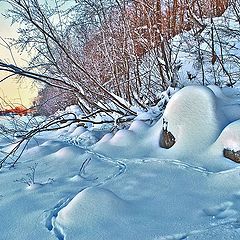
x=203, y=121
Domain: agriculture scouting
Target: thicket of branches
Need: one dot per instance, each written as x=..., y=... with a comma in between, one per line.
x=103, y=51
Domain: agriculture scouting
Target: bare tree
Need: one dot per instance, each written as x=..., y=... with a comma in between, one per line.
x=52, y=38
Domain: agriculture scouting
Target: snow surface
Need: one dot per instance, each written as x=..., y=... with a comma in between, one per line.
x=125, y=186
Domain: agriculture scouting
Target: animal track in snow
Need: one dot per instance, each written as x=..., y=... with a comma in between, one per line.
x=50, y=220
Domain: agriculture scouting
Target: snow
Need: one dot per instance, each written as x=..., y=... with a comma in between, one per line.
x=230, y=137
x=198, y=118
x=74, y=109
x=94, y=182
x=226, y=46
x=112, y=209
x=143, y=204
x=76, y=132
x=123, y=185
x=90, y=185
x=194, y=118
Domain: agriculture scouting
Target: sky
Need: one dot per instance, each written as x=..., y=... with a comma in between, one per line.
x=11, y=91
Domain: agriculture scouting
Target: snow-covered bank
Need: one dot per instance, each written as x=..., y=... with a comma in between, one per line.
x=126, y=186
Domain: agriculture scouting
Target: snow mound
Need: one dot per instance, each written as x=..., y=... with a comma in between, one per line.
x=106, y=138
x=77, y=131
x=123, y=138
x=218, y=92
x=83, y=206
x=230, y=137
x=193, y=118
x=91, y=211
x=139, y=127
x=65, y=152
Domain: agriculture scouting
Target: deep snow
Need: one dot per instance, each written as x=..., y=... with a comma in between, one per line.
x=125, y=186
